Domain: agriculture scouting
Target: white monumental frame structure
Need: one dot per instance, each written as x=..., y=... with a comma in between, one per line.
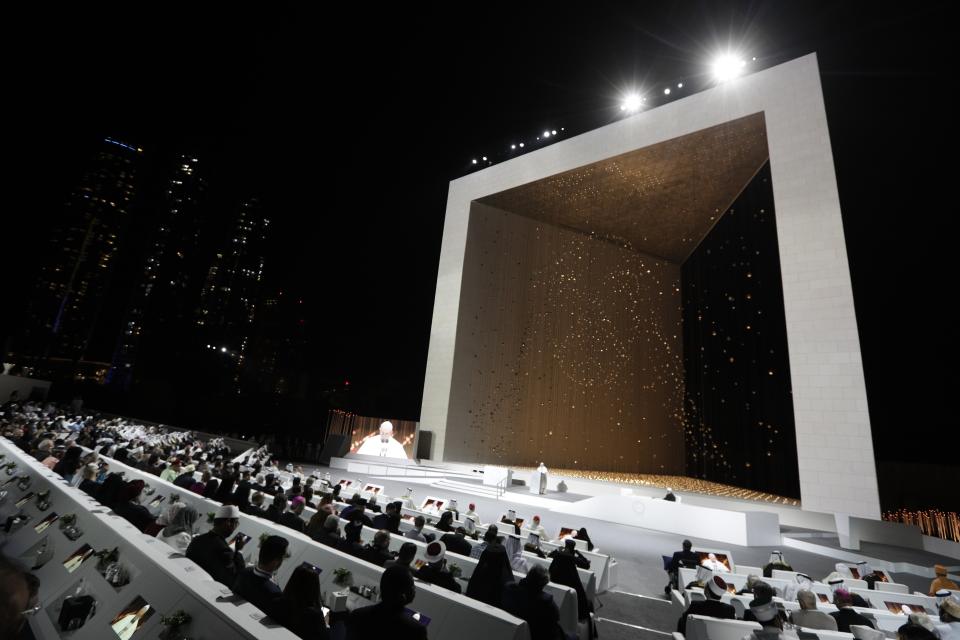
x=834, y=442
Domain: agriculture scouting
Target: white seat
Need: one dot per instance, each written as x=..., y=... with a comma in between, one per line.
x=863, y=632
x=892, y=587
x=745, y=569
x=738, y=606
x=823, y=634
x=706, y=628
x=676, y=599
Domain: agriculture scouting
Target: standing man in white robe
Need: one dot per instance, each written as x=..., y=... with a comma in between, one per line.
x=383, y=445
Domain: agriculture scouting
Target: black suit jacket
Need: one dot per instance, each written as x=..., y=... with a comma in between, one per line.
x=431, y=574
x=846, y=617
x=712, y=608
x=389, y=522
x=456, y=544
x=214, y=556
x=380, y=622
x=259, y=591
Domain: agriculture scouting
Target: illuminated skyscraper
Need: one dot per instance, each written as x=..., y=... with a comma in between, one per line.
x=64, y=311
x=167, y=287
x=228, y=302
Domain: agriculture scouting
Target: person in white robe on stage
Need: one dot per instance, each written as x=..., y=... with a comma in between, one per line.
x=383, y=445
x=538, y=480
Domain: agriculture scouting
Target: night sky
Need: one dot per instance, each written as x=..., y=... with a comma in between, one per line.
x=350, y=125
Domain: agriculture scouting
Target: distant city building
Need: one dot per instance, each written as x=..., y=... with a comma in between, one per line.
x=232, y=290
x=65, y=310
x=168, y=284
x=275, y=359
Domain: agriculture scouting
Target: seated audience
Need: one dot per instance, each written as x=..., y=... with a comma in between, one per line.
x=941, y=581
x=949, y=619
x=570, y=549
x=255, y=584
x=179, y=533
x=446, y=522
x=292, y=517
x=299, y=608
x=777, y=562
x=408, y=551
x=434, y=571
x=389, y=519
x=378, y=551
x=808, y=616
x=563, y=570
x=845, y=615
x=15, y=589
x=416, y=533
x=330, y=535
x=211, y=551
x=88, y=483
x=490, y=575
x=767, y=613
x=388, y=618
x=711, y=606
x=527, y=601
x=129, y=507
x=456, y=542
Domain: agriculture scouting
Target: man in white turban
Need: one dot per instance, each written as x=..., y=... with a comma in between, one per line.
x=383, y=445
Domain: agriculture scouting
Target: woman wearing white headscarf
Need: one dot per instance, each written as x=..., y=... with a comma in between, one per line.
x=179, y=532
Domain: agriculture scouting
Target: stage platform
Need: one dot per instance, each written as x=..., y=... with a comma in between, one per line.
x=636, y=502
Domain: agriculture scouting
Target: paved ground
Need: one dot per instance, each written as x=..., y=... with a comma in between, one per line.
x=636, y=608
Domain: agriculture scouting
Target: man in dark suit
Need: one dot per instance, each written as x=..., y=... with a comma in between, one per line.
x=211, y=551
x=388, y=618
x=390, y=519
x=378, y=551
x=684, y=558
x=527, y=601
x=845, y=615
x=456, y=542
x=711, y=606
x=255, y=584
x=292, y=517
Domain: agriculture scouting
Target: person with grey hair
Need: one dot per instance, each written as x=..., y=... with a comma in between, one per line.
x=808, y=616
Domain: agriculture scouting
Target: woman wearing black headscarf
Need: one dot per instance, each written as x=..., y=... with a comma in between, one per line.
x=492, y=573
x=563, y=570
x=68, y=465
x=446, y=522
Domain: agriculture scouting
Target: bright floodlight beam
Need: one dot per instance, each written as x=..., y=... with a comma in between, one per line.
x=631, y=103
x=727, y=67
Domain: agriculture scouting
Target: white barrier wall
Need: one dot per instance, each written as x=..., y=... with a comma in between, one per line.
x=25, y=387
x=744, y=528
x=453, y=616
x=166, y=584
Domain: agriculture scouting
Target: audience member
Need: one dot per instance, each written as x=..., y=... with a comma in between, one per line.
x=435, y=571
x=211, y=551
x=256, y=585
x=388, y=618
x=845, y=615
x=711, y=606
x=808, y=616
